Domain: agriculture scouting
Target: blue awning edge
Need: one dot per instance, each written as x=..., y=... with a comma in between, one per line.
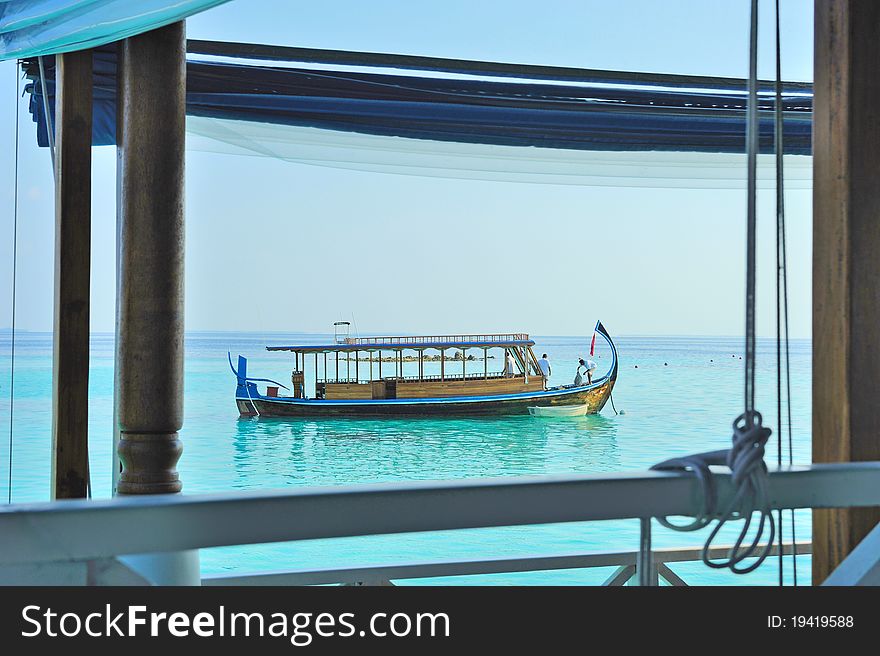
x=30, y=28
x=660, y=115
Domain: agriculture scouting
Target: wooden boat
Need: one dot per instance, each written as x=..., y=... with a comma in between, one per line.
x=364, y=377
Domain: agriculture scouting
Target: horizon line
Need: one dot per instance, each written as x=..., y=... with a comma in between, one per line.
x=8, y=331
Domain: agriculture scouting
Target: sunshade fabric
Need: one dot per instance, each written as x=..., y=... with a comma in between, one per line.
x=605, y=127
x=41, y=27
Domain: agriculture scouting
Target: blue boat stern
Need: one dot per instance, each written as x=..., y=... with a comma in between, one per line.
x=245, y=390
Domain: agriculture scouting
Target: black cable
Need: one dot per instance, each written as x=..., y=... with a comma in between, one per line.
x=777, y=139
x=751, y=214
x=783, y=274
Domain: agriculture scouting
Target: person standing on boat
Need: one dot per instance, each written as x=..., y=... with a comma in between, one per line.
x=544, y=363
x=509, y=366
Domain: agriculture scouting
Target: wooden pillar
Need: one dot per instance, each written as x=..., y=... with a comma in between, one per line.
x=442, y=364
x=846, y=265
x=73, y=230
x=149, y=351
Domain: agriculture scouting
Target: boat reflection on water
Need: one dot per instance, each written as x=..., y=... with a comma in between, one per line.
x=279, y=453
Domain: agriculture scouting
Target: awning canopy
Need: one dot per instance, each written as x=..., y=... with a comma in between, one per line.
x=41, y=27
x=605, y=110
x=515, y=340
x=458, y=118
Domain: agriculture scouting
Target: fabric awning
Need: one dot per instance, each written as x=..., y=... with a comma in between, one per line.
x=29, y=28
x=454, y=118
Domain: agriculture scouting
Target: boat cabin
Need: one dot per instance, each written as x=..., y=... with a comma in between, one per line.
x=395, y=367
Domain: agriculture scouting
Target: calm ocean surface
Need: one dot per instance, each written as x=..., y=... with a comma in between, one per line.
x=679, y=396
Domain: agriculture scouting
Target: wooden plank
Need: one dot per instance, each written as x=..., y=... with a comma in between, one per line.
x=73, y=227
x=846, y=267
x=472, y=387
x=349, y=391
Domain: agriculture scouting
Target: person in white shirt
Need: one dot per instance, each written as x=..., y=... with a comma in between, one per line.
x=544, y=363
x=588, y=368
x=591, y=367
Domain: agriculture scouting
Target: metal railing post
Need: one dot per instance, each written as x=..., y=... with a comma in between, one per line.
x=645, y=570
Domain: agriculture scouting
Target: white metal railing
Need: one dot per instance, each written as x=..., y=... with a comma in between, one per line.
x=624, y=563
x=81, y=531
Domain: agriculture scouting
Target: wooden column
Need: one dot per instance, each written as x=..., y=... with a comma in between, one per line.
x=73, y=233
x=149, y=350
x=846, y=264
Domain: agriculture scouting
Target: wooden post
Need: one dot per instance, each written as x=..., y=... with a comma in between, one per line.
x=73, y=228
x=846, y=265
x=463, y=364
x=371, y=365
x=356, y=365
x=380, y=364
x=485, y=364
x=149, y=351
x=442, y=364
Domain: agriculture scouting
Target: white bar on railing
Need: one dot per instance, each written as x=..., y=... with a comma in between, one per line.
x=504, y=565
x=125, y=525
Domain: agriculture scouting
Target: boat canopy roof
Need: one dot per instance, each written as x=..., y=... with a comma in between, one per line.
x=413, y=342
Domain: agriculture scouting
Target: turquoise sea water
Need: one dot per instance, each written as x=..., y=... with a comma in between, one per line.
x=679, y=396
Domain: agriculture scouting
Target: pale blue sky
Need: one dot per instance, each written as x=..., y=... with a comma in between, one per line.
x=277, y=246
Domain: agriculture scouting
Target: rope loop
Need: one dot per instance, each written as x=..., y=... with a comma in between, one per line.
x=749, y=478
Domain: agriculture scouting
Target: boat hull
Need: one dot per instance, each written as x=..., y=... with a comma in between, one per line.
x=594, y=396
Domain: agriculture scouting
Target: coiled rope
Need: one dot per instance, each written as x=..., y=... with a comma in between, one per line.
x=745, y=458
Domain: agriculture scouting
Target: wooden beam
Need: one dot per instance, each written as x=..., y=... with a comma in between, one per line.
x=846, y=266
x=149, y=351
x=73, y=230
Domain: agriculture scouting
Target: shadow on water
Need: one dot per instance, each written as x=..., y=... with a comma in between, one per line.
x=282, y=452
